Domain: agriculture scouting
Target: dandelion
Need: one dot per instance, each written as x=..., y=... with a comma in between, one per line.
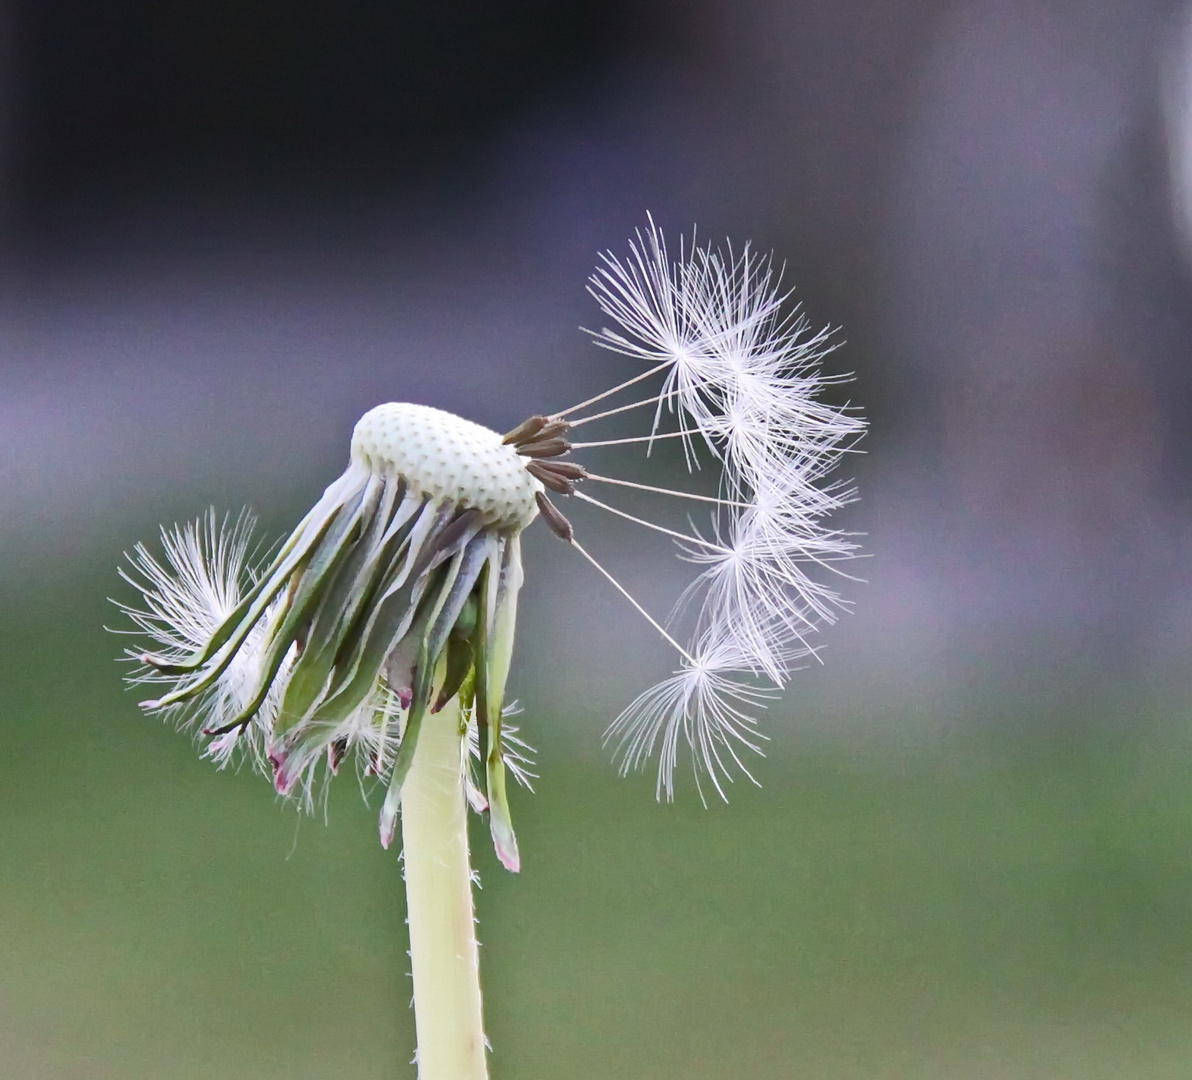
x=382, y=628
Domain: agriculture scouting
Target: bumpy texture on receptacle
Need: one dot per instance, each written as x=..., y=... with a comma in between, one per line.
x=449, y=458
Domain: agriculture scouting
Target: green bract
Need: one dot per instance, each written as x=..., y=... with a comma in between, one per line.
x=396, y=593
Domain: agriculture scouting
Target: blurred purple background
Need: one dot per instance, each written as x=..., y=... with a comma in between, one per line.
x=228, y=230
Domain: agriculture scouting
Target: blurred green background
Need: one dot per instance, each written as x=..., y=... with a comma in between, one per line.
x=965, y=906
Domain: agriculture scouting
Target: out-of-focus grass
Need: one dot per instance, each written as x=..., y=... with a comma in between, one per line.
x=951, y=915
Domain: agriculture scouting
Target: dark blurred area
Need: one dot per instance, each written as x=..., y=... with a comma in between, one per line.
x=216, y=107
x=228, y=230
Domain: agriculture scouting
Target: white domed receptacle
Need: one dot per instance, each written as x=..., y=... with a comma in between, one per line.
x=450, y=458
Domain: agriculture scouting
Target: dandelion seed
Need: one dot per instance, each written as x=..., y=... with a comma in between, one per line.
x=392, y=593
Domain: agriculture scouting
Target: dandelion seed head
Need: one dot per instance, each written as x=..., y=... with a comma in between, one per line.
x=392, y=597
x=448, y=458
x=398, y=591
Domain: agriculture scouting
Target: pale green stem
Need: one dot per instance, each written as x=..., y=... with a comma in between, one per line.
x=443, y=952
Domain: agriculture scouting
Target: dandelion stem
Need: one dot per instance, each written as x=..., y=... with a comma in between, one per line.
x=613, y=390
x=443, y=951
x=640, y=610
